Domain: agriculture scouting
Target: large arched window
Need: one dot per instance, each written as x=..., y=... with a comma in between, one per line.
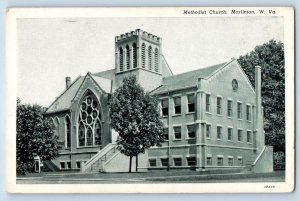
x=68, y=131
x=156, y=60
x=143, y=55
x=134, y=55
x=89, y=130
x=121, y=59
x=127, y=57
x=150, y=58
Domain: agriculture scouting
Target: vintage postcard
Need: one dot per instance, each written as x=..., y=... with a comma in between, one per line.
x=150, y=100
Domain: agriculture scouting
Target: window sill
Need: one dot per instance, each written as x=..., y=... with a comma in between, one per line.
x=177, y=139
x=230, y=140
x=190, y=138
x=219, y=115
x=249, y=143
x=190, y=112
x=219, y=139
x=240, y=119
x=249, y=121
x=95, y=146
x=229, y=117
x=208, y=113
x=208, y=138
x=175, y=115
x=164, y=116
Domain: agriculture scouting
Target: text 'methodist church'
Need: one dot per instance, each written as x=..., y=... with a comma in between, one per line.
x=213, y=117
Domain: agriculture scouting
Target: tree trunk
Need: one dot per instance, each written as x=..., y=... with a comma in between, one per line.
x=136, y=163
x=130, y=161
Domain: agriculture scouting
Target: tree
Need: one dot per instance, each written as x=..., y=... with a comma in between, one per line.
x=135, y=116
x=35, y=135
x=270, y=56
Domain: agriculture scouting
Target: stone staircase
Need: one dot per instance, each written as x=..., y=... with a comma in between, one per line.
x=98, y=161
x=253, y=160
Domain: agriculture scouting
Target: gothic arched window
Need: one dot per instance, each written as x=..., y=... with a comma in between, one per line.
x=143, y=55
x=121, y=59
x=89, y=130
x=134, y=55
x=150, y=57
x=68, y=131
x=127, y=57
x=156, y=60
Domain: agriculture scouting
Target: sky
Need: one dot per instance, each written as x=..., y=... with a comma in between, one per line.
x=51, y=49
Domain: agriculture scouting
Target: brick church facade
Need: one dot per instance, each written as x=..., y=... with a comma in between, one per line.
x=213, y=117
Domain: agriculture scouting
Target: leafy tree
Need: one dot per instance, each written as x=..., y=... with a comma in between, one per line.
x=35, y=135
x=270, y=56
x=135, y=116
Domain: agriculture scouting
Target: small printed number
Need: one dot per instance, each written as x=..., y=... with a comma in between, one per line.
x=269, y=186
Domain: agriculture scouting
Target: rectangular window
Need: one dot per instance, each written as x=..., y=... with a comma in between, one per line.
x=239, y=110
x=164, y=162
x=220, y=161
x=219, y=105
x=208, y=130
x=62, y=165
x=240, y=135
x=249, y=136
x=229, y=108
x=229, y=132
x=69, y=165
x=177, y=161
x=191, y=103
x=219, y=132
x=230, y=161
x=248, y=112
x=177, y=105
x=191, y=161
x=177, y=132
x=166, y=133
x=207, y=103
x=209, y=160
x=165, y=107
x=191, y=131
x=78, y=164
x=152, y=162
x=240, y=162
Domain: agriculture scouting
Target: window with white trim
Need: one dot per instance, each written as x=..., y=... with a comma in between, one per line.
x=191, y=131
x=177, y=161
x=230, y=161
x=177, y=105
x=239, y=110
x=69, y=165
x=191, y=103
x=240, y=161
x=240, y=135
x=62, y=165
x=177, y=132
x=207, y=103
x=219, y=132
x=191, y=160
x=229, y=134
x=220, y=161
x=248, y=113
x=152, y=162
x=219, y=105
x=209, y=161
x=166, y=133
x=249, y=138
x=165, y=107
x=164, y=161
x=208, y=130
x=229, y=108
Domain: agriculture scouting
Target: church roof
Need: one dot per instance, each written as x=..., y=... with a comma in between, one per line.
x=63, y=101
x=186, y=80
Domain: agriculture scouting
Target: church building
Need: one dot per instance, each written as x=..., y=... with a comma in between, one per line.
x=213, y=117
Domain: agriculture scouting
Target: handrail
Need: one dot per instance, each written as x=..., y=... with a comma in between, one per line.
x=259, y=155
x=97, y=156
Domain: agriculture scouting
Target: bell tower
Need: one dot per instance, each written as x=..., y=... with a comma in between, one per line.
x=139, y=53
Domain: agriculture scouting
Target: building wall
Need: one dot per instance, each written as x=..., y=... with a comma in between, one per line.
x=219, y=85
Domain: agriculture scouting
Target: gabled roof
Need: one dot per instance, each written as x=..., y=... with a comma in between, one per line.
x=63, y=102
x=186, y=80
